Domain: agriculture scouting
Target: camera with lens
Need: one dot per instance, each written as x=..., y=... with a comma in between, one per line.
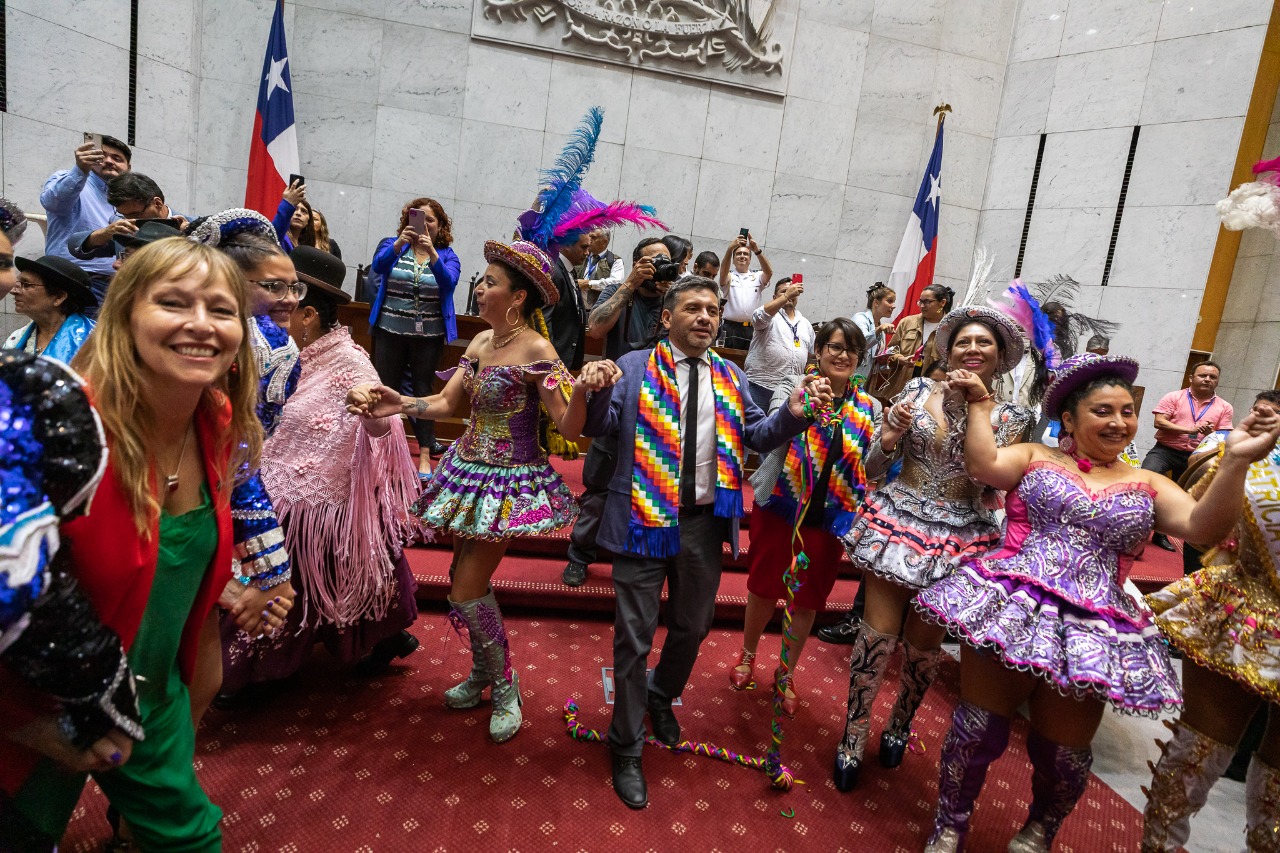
x=664, y=269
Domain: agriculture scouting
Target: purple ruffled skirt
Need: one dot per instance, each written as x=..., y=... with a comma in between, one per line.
x=1080, y=651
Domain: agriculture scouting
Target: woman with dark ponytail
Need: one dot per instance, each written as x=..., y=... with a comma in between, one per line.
x=915, y=339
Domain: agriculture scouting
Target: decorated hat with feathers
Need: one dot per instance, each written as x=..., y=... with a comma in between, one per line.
x=563, y=210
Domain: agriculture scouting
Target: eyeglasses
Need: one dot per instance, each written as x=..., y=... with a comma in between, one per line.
x=28, y=284
x=278, y=288
x=924, y=302
x=837, y=350
x=124, y=254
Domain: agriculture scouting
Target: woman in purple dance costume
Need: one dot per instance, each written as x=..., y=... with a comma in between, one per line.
x=1044, y=619
x=494, y=483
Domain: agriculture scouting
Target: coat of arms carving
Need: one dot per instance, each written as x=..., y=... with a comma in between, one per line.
x=729, y=40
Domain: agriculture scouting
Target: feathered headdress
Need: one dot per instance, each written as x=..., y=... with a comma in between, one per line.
x=1061, y=291
x=1018, y=303
x=13, y=222
x=1255, y=204
x=563, y=210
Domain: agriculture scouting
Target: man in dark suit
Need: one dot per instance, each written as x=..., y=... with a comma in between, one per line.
x=567, y=319
x=691, y=311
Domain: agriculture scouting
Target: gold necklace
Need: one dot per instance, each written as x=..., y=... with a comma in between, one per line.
x=510, y=336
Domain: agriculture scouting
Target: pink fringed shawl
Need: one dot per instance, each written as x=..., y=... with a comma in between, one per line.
x=341, y=495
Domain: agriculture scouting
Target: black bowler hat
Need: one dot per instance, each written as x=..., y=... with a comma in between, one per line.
x=321, y=270
x=63, y=274
x=149, y=231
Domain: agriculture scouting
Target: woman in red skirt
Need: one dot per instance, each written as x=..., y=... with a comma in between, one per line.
x=818, y=478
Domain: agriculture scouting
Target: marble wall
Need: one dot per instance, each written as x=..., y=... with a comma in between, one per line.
x=1084, y=73
x=1248, y=345
x=394, y=99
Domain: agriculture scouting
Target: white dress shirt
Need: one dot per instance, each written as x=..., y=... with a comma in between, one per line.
x=705, y=478
x=744, y=295
x=774, y=354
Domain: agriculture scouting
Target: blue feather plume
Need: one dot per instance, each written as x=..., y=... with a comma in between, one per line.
x=561, y=182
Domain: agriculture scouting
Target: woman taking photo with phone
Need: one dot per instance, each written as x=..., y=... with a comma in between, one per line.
x=412, y=317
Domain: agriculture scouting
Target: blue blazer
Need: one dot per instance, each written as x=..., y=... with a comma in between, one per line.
x=447, y=269
x=609, y=414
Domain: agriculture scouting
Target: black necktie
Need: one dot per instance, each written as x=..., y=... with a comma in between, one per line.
x=689, y=454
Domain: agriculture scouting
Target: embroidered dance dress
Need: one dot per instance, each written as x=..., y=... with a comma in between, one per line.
x=1050, y=600
x=494, y=482
x=1226, y=617
x=917, y=528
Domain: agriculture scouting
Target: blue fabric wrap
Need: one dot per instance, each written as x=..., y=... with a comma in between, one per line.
x=269, y=412
x=66, y=341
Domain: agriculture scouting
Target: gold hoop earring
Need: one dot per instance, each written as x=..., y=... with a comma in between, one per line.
x=507, y=316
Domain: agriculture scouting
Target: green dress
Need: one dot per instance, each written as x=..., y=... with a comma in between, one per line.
x=156, y=791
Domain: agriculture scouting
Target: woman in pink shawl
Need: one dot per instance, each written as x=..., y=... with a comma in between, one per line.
x=342, y=486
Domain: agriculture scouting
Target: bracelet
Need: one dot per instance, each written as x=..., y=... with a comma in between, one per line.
x=986, y=396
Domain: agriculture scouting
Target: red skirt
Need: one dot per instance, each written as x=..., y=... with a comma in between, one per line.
x=771, y=554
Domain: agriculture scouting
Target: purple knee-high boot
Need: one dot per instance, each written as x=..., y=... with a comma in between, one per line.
x=1059, y=775
x=977, y=738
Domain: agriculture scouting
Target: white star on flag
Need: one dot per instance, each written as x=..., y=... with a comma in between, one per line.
x=275, y=77
x=935, y=189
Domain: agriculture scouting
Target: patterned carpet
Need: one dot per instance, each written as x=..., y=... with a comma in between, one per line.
x=335, y=763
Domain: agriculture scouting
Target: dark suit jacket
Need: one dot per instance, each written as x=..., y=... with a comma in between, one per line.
x=610, y=414
x=567, y=320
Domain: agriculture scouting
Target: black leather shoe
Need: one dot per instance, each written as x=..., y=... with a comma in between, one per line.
x=1162, y=541
x=663, y=720
x=628, y=781
x=384, y=651
x=841, y=633
x=893, y=748
x=846, y=773
x=438, y=448
x=575, y=574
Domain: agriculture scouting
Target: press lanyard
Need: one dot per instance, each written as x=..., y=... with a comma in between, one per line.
x=795, y=330
x=418, y=325
x=1191, y=404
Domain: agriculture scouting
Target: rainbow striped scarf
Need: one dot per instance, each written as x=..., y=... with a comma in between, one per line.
x=806, y=456
x=655, y=474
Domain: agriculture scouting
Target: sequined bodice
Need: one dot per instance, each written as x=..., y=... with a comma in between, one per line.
x=504, y=411
x=1069, y=538
x=933, y=483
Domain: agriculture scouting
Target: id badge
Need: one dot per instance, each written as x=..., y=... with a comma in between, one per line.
x=417, y=325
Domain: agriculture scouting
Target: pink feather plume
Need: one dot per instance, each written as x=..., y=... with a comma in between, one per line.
x=610, y=216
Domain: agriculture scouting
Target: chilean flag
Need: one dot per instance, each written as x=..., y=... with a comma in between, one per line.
x=913, y=267
x=273, y=155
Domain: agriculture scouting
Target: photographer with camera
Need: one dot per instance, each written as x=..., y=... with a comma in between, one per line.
x=626, y=317
x=741, y=288
x=626, y=314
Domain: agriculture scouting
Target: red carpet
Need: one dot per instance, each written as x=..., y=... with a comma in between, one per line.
x=339, y=764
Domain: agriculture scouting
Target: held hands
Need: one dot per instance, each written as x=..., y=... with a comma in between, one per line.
x=820, y=395
x=598, y=375
x=262, y=612
x=88, y=156
x=374, y=401
x=968, y=384
x=295, y=193
x=1254, y=438
x=897, y=418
